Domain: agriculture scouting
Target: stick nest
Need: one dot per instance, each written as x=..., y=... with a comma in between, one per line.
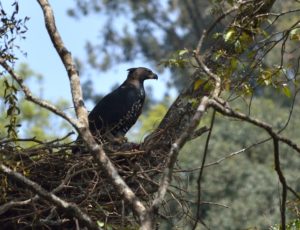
x=77, y=179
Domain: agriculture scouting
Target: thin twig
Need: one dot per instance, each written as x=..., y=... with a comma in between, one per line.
x=199, y=180
x=282, y=181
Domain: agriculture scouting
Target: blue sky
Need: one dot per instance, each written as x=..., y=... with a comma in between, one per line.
x=42, y=58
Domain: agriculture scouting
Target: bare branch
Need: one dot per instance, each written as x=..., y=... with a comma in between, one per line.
x=282, y=181
x=34, y=139
x=197, y=133
x=11, y=204
x=201, y=172
x=68, y=62
x=235, y=153
x=227, y=111
x=34, y=99
x=70, y=208
x=290, y=112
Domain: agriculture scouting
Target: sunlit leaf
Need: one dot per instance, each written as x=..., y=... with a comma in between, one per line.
x=247, y=89
x=286, y=90
x=182, y=52
x=295, y=34
x=238, y=47
x=197, y=84
x=230, y=34
x=217, y=35
x=100, y=224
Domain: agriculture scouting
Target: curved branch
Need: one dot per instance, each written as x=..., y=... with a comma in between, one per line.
x=227, y=111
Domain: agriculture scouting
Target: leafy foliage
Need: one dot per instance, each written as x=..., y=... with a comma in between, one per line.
x=11, y=28
x=11, y=100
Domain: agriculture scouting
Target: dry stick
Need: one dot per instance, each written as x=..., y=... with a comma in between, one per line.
x=201, y=172
x=234, y=153
x=70, y=209
x=81, y=112
x=33, y=139
x=5, y=207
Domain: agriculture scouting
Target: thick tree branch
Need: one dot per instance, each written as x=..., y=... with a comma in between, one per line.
x=68, y=62
x=81, y=112
x=70, y=209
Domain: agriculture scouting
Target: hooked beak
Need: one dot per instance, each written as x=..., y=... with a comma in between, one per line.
x=154, y=76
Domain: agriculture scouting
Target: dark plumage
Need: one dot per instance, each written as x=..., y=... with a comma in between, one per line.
x=118, y=111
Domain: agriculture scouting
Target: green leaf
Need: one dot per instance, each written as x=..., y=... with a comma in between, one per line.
x=295, y=34
x=245, y=38
x=266, y=77
x=286, y=90
x=100, y=224
x=218, y=54
x=247, y=89
x=182, y=52
x=251, y=54
x=197, y=84
x=217, y=35
x=234, y=63
x=229, y=36
x=238, y=47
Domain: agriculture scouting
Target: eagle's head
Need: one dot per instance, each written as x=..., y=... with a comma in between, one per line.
x=140, y=74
